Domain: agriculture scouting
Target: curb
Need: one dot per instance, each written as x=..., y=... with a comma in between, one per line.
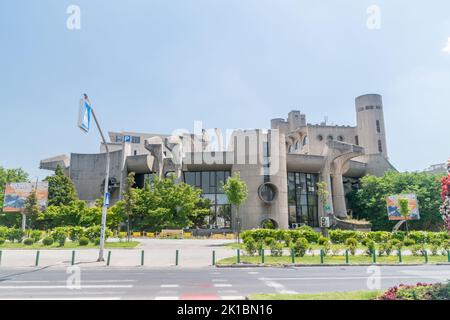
x=290, y=265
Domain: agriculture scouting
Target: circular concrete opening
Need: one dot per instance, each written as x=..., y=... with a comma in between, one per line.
x=267, y=192
x=269, y=224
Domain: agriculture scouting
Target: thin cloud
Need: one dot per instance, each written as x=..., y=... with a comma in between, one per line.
x=447, y=47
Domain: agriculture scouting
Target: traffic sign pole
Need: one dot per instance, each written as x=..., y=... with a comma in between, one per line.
x=106, y=188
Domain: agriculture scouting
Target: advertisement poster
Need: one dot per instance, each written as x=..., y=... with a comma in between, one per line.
x=393, y=207
x=17, y=193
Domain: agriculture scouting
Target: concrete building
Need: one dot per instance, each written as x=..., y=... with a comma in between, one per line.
x=280, y=165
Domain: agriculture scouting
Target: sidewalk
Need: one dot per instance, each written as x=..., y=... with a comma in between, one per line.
x=157, y=253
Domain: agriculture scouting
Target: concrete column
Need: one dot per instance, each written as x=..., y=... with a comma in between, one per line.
x=340, y=208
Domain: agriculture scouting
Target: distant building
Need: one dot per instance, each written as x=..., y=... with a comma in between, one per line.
x=281, y=165
x=440, y=168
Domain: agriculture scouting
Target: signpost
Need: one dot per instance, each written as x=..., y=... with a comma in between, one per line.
x=84, y=122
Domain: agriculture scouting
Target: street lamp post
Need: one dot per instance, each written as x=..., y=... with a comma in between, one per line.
x=106, y=189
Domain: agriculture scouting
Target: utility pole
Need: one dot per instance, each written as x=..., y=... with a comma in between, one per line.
x=85, y=127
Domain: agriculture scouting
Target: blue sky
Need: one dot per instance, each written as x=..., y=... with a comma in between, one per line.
x=158, y=65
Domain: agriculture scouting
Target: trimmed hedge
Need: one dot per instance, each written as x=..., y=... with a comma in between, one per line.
x=337, y=236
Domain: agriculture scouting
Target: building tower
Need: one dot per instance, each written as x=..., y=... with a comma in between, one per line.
x=371, y=134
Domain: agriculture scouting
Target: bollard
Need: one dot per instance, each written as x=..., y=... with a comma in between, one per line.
x=73, y=257
x=108, y=259
x=37, y=258
x=238, y=256
x=400, y=259
x=1, y=257
x=425, y=255
x=292, y=256
x=374, y=256
x=214, y=258
x=262, y=256
x=448, y=256
x=142, y=258
x=176, y=257
x=321, y=256
x=346, y=257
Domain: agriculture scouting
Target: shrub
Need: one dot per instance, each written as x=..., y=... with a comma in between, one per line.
x=76, y=233
x=308, y=233
x=287, y=239
x=48, y=241
x=397, y=244
x=92, y=233
x=417, y=250
x=15, y=234
x=409, y=242
x=379, y=236
x=2, y=241
x=300, y=247
x=269, y=241
x=326, y=248
x=339, y=236
x=398, y=235
x=419, y=237
x=351, y=244
x=83, y=241
x=370, y=245
x=60, y=235
x=323, y=240
x=420, y=291
x=276, y=249
x=250, y=247
x=385, y=248
x=3, y=232
x=36, y=235
x=97, y=241
x=28, y=242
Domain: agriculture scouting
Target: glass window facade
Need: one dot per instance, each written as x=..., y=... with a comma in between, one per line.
x=303, y=198
x=211, y=183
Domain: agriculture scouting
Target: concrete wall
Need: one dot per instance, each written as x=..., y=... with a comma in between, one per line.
x=87, y=172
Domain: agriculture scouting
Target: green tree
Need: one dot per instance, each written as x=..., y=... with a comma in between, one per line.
x=163, y=204
x=9, y=176
x=61, y=190
x=369, y=202
x=129, y=199
x=32, y=205
x=237, y=192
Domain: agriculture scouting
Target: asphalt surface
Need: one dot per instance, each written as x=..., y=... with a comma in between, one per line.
x=208, y=283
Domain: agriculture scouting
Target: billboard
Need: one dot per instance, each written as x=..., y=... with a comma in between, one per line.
x=393, y=207
x=17, y=193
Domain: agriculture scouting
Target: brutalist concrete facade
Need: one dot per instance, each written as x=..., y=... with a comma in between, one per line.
x=281, y=165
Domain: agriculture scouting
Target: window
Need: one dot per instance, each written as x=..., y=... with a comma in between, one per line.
x=380, y=146
x=211, y=183
x=135, y=152
x=340, y=138
x=378, y=126
x=378, y=107
x=330, y=138
x=320, y=137
x=305, y=141
x=135, y=139
x=303, y=198
x=369, y=107
x=119, y=139
x=357, y=140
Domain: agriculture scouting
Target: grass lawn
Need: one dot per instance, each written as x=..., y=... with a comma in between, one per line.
x=355, y=295
x=332, y=260
x=68, y=245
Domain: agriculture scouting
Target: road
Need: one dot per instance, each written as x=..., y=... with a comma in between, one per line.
x=178, y=283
